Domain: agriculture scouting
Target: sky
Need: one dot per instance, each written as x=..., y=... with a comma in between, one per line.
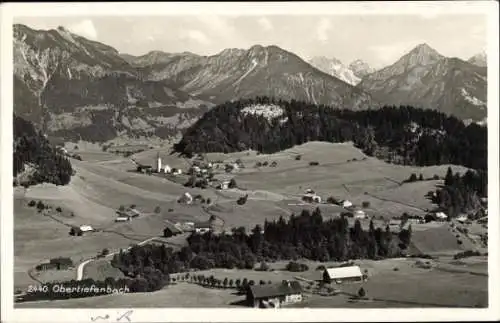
x=378, y=39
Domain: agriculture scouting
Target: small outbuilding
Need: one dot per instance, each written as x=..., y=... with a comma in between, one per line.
x=359, y=214
x=343, y=274
x=441, y=216
x=274, y=295
x=171, y=230
x=346, y=203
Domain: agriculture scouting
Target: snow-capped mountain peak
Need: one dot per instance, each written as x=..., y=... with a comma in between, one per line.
x=360, y=68
x=334, y=67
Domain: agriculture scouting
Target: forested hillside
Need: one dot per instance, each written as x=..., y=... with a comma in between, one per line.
x=403, y=135
x=35, y=159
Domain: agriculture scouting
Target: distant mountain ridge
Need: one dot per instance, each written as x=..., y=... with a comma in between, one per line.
x=479, y=59
x=257, y=71
x=77, y=88
x=360, y=68
x=425, y=78
x=335, y=67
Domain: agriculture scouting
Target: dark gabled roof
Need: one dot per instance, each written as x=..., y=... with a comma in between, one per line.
x=273, y=290
x=200, y=225
x=173, y=228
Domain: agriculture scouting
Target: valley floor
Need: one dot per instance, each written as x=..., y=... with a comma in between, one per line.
x=104, y=181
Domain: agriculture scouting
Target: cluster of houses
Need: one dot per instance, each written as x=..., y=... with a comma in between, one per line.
x=291, y=292
x=214, y=224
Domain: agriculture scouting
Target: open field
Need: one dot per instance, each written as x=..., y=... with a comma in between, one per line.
x=104, y=181
x=388, y=288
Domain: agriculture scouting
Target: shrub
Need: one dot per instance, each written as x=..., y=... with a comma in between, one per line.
x=298, y=157
x=396, y=269
x=121, y=208
x=296, y=267
x=157, y=209
x=435, y=177
x=133, y=206
x=459, y=242
x=321, y=267
x=232, y=183
x=332, y=200
x=263, y=267
x=40, y=206
x=208, y=201
x=242, y=200
x=365, y=204
x=261, y=282
x=361, y=292
x=265, y=163
x=32, y=203
x=421, y=177
x=313, y=163
x=412, y=178
x=58, y=209
x=105, y=252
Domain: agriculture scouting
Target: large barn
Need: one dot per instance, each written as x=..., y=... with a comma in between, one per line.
x=342, y=274
x=274, y=295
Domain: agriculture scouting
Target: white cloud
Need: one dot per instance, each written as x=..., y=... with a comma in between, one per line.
x=195, y=35
x=322, y=29
x=84, y=28
x=265, y=24
x=219, y=26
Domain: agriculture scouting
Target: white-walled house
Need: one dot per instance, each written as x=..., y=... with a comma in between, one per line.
x=346, y=203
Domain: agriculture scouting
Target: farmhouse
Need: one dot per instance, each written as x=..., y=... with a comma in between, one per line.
x=274, y=295
x=167, y=169
x=311, y=198
x=202, y=227
x=122, y=219
x=222, y=185
x=56, y=263
x=346, y=203
x=441, y=216
x=186, y=198
x=359, y=214
x=342, y=274
x=86, y=228
x=171, y=230
x=462, y=218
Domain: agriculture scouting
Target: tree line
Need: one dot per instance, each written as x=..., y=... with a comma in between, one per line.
x=304, y=236
x=405, y=135
x=32, y=148
x=462, y=193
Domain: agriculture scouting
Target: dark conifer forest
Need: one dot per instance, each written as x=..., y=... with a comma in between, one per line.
x=33, y=149
x=403, y=135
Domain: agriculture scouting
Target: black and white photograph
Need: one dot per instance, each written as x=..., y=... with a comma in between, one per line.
x=246, y=157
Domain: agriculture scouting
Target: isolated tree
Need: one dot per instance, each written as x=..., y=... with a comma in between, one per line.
x=225, y=282
x=361, y=292
x=157, y=209
x=232, y=183
x=421, y=177
x=231, y=283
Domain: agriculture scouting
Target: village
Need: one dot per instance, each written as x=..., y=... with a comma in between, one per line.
x=213, y=195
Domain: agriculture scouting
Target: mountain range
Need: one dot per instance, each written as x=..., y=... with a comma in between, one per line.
x=425, y=78
x=76, y=88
